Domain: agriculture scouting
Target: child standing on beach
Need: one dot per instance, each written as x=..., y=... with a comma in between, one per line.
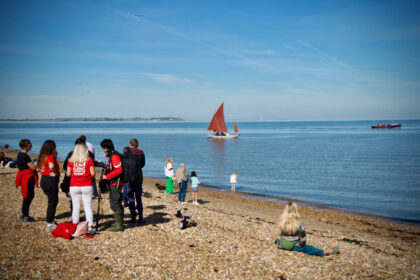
x=194, y=187
x=233, y=181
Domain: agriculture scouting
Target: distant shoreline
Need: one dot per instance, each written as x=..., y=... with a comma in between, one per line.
x=137, y=119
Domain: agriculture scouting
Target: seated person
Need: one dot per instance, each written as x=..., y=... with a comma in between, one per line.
x=4, y=160
x=292, y=235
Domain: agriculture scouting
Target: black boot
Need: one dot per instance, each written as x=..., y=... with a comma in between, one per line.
x=133, y=217
x=141, y=221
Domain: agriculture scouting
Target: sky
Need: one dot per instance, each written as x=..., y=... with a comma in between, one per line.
x=266, y=60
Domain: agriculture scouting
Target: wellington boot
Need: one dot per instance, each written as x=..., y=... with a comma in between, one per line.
x=118, y=225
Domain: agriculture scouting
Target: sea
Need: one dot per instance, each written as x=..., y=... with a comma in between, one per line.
x=340, y=164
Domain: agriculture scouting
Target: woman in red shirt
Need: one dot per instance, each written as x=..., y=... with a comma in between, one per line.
x=47, y=163
x=81, y=170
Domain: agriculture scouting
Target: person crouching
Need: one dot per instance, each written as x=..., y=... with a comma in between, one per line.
x=113, y=175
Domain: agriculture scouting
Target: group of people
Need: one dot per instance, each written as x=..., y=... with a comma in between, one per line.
x=79, y=168
x=292, y=235
x=182, y=177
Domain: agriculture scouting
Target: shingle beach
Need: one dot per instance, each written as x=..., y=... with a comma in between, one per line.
x=233, y=239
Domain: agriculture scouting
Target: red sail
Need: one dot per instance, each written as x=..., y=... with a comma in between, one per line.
x=217, y=123
x=235, y=127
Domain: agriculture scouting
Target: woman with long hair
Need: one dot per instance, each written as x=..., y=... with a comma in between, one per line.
x=293, y=236
x=47, y=163
x=169, y=173
x=81, y=170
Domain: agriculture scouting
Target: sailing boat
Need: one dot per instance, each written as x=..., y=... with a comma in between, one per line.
x=235, y=128
x=218, y=125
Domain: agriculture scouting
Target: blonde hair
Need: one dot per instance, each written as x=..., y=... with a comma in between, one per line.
x=289, y=220
x=80, y=154
x=234, y=173
x=169, y=160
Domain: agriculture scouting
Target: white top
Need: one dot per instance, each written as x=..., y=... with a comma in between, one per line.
x=90, y=147
x=169, y=171
x=233, y=179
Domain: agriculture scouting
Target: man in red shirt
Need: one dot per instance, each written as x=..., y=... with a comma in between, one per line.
x=113, y=175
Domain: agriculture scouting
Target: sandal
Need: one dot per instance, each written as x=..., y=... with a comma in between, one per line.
x=336, y=250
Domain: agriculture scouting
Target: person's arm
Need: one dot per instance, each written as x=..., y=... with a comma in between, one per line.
x=116, y=162
x=68, y=171
x=31, y=165
x=141, y=161
x=92, y=171
x=91, y=167
x=52, y=168
x=302, y=236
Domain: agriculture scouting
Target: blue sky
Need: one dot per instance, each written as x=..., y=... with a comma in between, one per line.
x=267, y=60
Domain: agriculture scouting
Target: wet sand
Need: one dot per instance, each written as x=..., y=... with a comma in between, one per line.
x=233, y=239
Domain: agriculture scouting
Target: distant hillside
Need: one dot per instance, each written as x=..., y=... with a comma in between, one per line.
x=137, y=119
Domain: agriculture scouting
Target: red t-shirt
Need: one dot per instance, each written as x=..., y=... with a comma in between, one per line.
x=80, y=173
x=46, y=170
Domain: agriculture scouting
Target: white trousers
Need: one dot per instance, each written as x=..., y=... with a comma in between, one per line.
x=77, y=195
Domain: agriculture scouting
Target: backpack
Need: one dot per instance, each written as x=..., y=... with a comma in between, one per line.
x=130, y=168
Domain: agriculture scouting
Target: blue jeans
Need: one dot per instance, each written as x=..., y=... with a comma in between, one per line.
x=310, y=250
x=135, y=190
x=125, y=194
x=182, y=190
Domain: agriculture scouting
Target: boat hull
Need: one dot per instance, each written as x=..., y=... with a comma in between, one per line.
x=389, y=125
x=222, y=136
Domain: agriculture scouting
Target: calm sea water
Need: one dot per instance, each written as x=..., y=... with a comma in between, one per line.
x=342, y=164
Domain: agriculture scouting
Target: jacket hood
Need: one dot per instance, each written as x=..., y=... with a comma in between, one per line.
x=136, y=152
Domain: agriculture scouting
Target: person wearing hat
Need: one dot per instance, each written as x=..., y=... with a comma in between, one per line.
x=182, y=178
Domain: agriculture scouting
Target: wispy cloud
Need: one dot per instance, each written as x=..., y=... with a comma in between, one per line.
x=153, y=24
x=259, y=52
x=288, y=47
x=324, y=55
x=170, y=79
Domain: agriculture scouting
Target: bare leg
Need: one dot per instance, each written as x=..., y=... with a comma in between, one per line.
x=328, y=252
